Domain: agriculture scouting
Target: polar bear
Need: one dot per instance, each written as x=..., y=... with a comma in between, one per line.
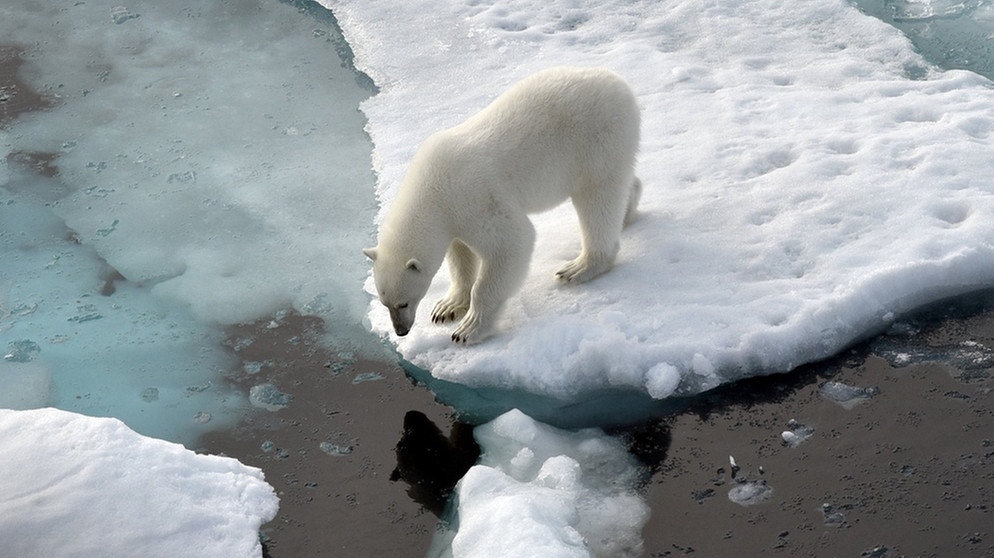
x=562, y=133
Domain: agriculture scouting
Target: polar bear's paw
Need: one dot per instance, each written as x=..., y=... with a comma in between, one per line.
x=582, y=269
x=472, y=329
x=449, y=309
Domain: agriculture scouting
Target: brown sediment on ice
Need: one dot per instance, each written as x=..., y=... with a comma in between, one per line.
x=331, y=452
x=16, y=97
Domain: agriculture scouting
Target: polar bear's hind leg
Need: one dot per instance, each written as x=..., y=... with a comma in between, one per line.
x=602, y=212
x=633, y=202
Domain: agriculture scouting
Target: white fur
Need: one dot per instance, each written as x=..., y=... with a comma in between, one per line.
x=563, y=133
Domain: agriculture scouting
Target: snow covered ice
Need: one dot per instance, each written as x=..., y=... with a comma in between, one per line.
x=72, y=485
x=808, y=178
x=557, y=493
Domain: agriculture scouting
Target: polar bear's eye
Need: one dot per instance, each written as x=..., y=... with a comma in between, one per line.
x=401, y=306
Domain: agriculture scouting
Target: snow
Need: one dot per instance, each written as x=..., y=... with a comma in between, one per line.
x=808, y=179
x=73, y=486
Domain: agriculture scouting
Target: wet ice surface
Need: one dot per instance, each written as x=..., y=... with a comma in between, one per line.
x=182, y=188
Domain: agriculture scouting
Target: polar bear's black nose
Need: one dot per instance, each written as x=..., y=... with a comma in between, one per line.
x=401, y=330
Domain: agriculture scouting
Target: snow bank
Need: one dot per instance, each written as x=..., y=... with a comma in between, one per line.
x=543, y=492
x=78, y=486
x=808, y=178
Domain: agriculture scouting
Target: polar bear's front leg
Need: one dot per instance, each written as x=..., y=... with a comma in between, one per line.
x=486, y=302
x=503, y=265
x=463, y=267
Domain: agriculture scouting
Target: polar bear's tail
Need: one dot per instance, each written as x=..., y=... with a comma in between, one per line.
x=633, y=202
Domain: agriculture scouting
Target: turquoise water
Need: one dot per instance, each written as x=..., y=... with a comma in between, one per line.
x=951, y=34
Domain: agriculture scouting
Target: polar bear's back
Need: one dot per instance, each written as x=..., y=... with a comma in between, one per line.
x=557, y=131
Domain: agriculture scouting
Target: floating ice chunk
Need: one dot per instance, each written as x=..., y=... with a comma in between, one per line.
x=540, y=491
x=155, y=498
x=268, y=397
x=791, y=439
x=832, y=518
x=796, y=433
x=22, y=350
x=846, y=395
x=967, y=356
x=750, y=493
x=875, y=552
x=368, y=377
x=150, y=394
x=335, y=450
x=747, y=492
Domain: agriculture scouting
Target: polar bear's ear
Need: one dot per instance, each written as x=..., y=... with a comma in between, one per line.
x=413, y=265
x=370, y=253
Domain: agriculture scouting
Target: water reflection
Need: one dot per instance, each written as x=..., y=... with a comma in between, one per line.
x=432, y=463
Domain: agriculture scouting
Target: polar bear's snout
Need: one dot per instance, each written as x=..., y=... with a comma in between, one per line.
x=403, y=318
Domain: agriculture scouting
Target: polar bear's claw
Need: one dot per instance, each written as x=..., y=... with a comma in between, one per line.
x=447, y=310
x=472, y=329
x=581, y=270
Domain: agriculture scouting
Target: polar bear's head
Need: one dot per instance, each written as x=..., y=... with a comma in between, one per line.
x=401, y=283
